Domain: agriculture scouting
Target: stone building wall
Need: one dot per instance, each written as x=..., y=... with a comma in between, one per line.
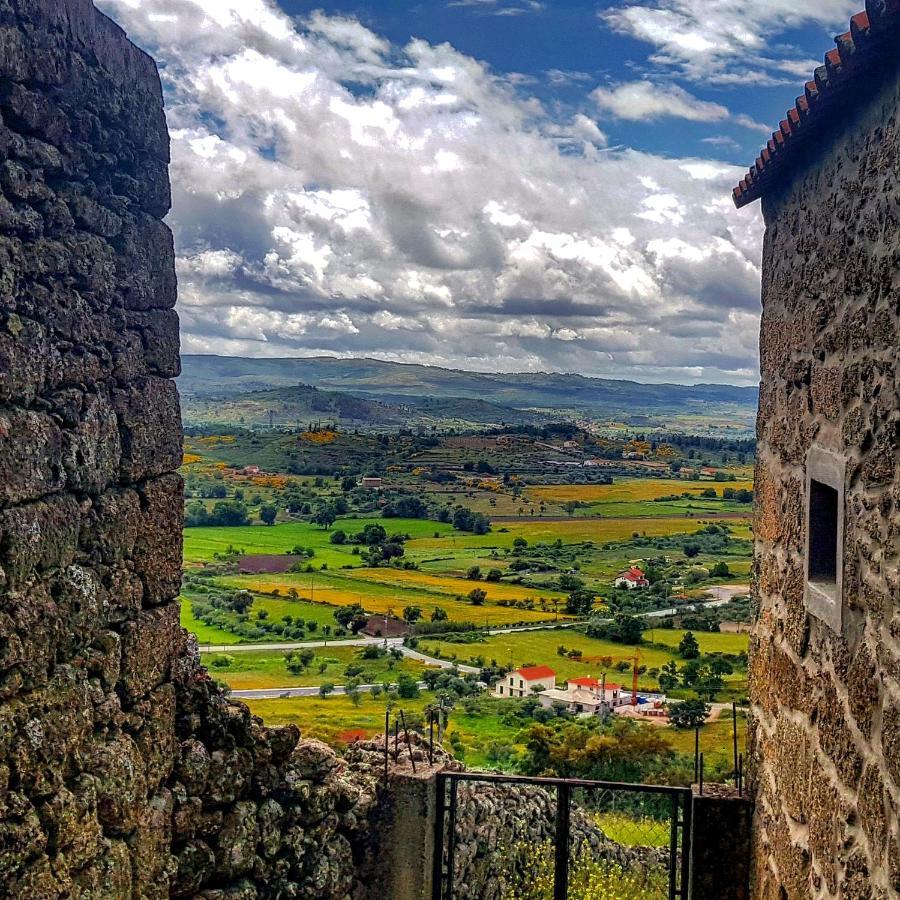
x=826, y=703
x=123, y=771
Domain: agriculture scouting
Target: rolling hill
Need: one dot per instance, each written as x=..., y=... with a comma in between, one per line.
x=398, y=388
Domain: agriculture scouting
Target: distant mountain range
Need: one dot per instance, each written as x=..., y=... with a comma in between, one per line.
x=304, y=403
x=398, y=392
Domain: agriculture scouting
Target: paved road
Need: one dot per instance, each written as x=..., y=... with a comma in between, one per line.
x=245, y=648
x=359, y=642
x=724, y=595
x=441, y=663
x=284, y=692
x=727, y=593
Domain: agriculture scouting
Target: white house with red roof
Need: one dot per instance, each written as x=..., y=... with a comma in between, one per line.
x=586, y=696
x=631, y=579
x=526, y=681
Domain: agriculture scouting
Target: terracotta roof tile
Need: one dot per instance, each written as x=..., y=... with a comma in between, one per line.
x=532, y=673
x=873, y=36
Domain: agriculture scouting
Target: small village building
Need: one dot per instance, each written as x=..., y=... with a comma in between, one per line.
x=526, y=681
x=385, y=627
x=632, y=579
x=585, y=697
x=249, y=470
x=370, y=483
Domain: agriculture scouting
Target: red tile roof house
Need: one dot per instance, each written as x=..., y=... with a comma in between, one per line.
x=587, y=696
x=526, y=681
x=632, y=578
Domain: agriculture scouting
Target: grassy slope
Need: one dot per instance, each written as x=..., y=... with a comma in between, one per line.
x=540, y=647
x=627, y=490
x=201, y=543
x=339, y=589
x=251, y=670
x=327, y=718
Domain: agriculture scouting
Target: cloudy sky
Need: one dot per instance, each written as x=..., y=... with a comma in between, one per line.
x=486, y=184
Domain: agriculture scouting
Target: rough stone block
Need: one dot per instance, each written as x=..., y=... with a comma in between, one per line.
x=149, y=645
x=150, y=428
x=157, y=551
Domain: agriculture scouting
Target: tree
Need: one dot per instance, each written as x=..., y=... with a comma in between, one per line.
x=570, y=583
x=407, y=687
x=268, y=513
x=338, y=537
x=229, y=513
x=348, y=483
x=439, y=614
x=352, y=617
x=412, y=614
x=689, y=713
x=240, y=601
x=688, y=648
x=326, y=689
x=668, y=676
x=691, y=549
x=720, y=570
x=477, y=596
x=474, y=573
x=580, y=603
x=519, y=544
x=493, y=575
x=623, y=629
x=352, y=691
x=325, y=516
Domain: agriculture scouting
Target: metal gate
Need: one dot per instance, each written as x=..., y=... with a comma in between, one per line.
x=645, y=820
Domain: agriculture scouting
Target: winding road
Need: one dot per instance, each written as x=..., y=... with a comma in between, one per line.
x=724, y=594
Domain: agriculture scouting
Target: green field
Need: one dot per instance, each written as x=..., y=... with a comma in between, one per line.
x=249, y=670
x=330, y=718
x=200, y=544
x=710, y=642
x=540, y=647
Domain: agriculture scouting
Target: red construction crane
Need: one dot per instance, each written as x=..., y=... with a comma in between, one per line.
x=609, y=660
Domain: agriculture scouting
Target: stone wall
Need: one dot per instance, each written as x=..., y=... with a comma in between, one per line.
x=826, y=703
x=123, y=771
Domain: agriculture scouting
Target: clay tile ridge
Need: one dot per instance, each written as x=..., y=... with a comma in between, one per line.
x=532, y=673
x=873, y=36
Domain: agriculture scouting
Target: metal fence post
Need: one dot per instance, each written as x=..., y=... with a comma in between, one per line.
x=451, y=838
x=673, y=846
x=437, y=869
x=561, y=861
x=687, y=818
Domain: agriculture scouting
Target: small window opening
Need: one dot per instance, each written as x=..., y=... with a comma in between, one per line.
x=823, y=537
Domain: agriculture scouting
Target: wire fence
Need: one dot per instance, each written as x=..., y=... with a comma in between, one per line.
x=605, y=840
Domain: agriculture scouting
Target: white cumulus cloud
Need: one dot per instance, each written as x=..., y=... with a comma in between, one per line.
x=337, y=194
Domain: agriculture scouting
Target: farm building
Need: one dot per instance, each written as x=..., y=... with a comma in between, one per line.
x=525, y=681
x=632, y=579
x=372, y=484
x=585, y=696
x=385, y=626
